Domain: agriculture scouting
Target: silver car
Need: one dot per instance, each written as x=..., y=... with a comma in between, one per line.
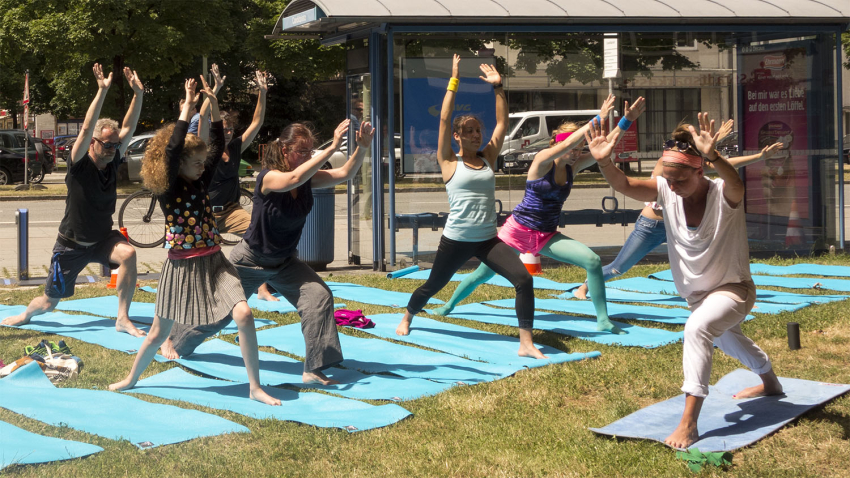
x=340, y=156
x=132, y=167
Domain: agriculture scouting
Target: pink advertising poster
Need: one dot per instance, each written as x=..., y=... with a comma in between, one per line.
x=775, y=85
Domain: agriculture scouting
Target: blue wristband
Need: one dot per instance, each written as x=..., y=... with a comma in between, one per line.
x=596, y=120
x=624, y=124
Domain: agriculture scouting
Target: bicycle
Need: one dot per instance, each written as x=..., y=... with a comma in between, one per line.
x=145, y=223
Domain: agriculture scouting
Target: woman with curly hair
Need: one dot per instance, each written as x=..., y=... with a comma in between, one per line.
x=197, y=285
x=283, y=198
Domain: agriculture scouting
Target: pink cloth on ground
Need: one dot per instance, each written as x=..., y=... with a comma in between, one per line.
x=523, y=238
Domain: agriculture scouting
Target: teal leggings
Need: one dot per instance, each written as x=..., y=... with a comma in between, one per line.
x=562, y=249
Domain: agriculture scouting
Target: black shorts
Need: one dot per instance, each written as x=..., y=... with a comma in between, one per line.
x=70, y=258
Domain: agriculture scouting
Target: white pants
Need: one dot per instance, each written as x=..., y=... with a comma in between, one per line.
x=716, y=320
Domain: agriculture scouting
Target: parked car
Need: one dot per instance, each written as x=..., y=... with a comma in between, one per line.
x=41, y=160
x=131, y=168
x=519, y=161
x=530, y=127
x=728, y=146
x=63, y=144
x=340, y=156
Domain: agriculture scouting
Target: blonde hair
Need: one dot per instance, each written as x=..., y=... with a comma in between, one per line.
x=566, y=127
x=107, y=123
x=155, y=164
x=273, y=157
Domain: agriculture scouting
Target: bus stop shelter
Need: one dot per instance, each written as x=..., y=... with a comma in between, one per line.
x=774, y=66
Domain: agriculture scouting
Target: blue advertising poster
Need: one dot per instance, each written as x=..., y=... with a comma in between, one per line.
x=422, y=100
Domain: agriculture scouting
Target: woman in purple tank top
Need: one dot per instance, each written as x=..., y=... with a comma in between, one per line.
x=533, y=225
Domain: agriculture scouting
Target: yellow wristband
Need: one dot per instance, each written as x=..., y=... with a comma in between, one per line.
x=453, y=84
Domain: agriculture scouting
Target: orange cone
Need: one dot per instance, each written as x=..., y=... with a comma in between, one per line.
x=532, y=263
x=794, y=233
x=113, y=278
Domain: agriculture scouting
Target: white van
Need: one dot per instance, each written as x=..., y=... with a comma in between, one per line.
x=532, y=126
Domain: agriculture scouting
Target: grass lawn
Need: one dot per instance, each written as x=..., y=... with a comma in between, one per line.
x=532, y=424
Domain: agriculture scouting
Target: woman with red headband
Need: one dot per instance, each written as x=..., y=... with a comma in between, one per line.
x=709, y=256
x=533, y=225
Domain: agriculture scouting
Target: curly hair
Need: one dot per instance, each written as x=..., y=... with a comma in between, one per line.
x=273, y=157
x=155, y=164
x=565, y=127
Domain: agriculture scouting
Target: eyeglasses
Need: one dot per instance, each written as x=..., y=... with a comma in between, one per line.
x=680, y=145
x=109, y=145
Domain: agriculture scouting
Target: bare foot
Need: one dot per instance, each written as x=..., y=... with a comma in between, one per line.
x=770, y=386
x=317, y=377
x=260, y=395
x=19, y=319
x=605, y=325
x=124, y=325
x=685, y=435
x=264, y=294
x=167, y=350
x=125, y=384
x=530, y=351
x=404, y=326
x=581, y=292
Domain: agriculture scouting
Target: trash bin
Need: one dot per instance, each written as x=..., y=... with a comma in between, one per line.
x=316, y=247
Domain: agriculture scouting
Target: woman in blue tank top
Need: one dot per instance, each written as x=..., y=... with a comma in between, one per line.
x=471, y=226
x=533, y=226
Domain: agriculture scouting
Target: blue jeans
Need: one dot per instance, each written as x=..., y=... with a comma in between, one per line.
x=648, y=235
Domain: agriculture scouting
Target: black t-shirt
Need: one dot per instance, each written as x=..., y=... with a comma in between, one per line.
x=224, y=187
x=91, y=200
x=277, y=219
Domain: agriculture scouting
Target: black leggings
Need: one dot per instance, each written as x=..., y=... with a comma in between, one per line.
x=452, y=255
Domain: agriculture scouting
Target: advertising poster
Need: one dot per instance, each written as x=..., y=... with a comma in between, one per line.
x=423, y=89
x=774, y=87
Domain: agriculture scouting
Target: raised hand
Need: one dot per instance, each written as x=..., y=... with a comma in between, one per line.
x=339, y=132
x=102, y=82
x=770, y=151
x=598, y=143
x=263, y=81
x=205, y=89
x=455, y=63
x=637, y=108
x=607, y=106
x=490, y=74
x=364, y=136
x=191, y=96
x=725, y=129
x=218, y=80
x=706, y=138
x=134, y=81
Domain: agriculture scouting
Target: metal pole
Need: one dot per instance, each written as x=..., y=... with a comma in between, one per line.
x=391, y=135
x=22, y=221
x=839, y=128
x=26, y=156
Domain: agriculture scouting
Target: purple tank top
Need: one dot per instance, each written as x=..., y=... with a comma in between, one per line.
x=541, y=206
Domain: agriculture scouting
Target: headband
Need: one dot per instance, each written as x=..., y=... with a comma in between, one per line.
x=682, y=158
x=562, y=136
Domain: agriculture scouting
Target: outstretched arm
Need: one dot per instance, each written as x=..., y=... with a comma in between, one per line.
x=259, y=112
x=494, y=147
x=630, y=114
x=280, y=181
x=601, y=148
x=131, y=119
x=87, y=131
x=346, y=172
x=767, y=152
x=444, y=140
x=705, y=139
x=203, y=124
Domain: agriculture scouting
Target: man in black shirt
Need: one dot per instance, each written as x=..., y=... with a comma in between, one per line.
x=85, y=233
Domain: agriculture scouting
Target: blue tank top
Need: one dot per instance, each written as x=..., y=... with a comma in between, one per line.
x=472, y=204
x=541, y=206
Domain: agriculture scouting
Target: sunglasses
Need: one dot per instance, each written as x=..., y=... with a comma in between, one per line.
x=109, y=145
x=680, y=145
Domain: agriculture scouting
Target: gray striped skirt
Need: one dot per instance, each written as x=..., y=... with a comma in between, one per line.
x=198, y=291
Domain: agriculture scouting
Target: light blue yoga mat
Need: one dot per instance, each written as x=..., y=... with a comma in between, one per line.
x=20, y=447
x=372, y=295
x=108, y=414
x=615, y=311
x=570, y=325
x=642, y=284
x=617, y=295
x=467, y=342
x=841, y=285
x=497, y=280
x=221, y=359
x=281, y=306
x=310, y=408
x=141, y=312
x=94, y=330
x=725, y=423
x=380, y=356
x=801, y=269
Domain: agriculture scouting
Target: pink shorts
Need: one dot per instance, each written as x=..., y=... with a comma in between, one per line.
x=522, y=238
